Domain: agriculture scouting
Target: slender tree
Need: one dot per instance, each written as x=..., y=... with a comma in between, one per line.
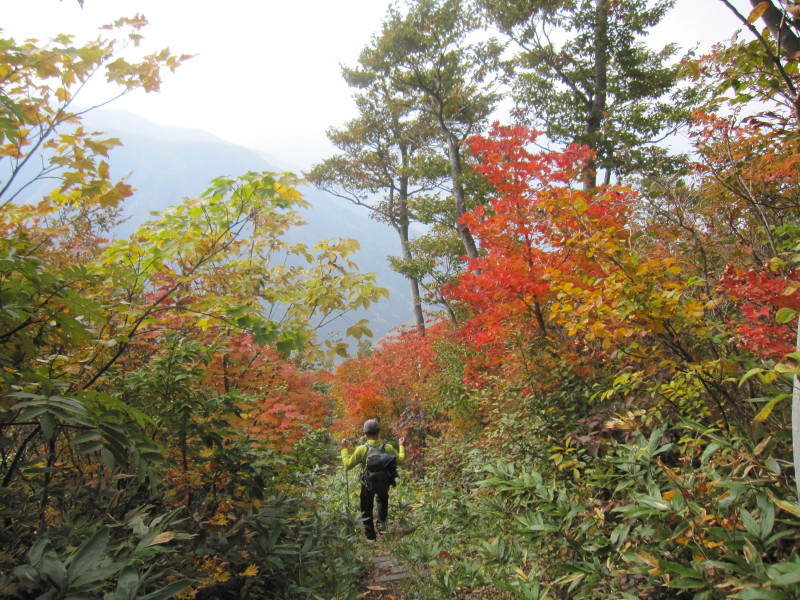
x=429, y=55
x=387, y=157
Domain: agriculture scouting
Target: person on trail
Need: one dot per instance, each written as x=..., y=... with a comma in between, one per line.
x=372, y=483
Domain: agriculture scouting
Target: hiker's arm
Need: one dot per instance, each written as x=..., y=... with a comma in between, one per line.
x=349, y=461
x=400, y=452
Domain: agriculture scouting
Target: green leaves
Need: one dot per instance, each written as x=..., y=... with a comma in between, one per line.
x=49, y=411
x=358, y=330
x=228, y=248
x=579, y=76
x=95, y=565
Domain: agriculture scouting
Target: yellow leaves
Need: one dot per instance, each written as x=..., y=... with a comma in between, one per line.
x=757, y=12
x=101, y=147
x=521, y=574
x=216, y=570
x=650, y=561
x=287, y=193
x=767, y=409
x=628, y=421
x=218, y=520
x=63, y=95
x=188, y=594
x=694, y=310
x=791, y=287
x=11, y=151
x=162, y=538
x=103, y=171
x=250, y=571
x=136, y=23
x=579, y=204
x=115, y=195
x=790, y=507
x=174, y=62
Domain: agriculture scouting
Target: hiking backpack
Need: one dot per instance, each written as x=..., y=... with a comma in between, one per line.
x=380, y=469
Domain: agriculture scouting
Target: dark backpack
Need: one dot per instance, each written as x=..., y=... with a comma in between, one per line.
x=380, y=469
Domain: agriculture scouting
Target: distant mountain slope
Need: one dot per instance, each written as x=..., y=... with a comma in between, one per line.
x=167, y=164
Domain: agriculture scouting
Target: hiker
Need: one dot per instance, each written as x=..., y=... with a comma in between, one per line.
x=386, y=452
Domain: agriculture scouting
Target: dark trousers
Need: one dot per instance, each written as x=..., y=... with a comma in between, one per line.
x=367, y=503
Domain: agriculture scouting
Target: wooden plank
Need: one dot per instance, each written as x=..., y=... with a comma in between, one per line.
x=399, y=568
x=392, y=577
x=382, y=559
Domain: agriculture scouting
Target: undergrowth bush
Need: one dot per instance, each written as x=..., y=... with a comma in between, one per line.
x=681, y=512
x=241, y=524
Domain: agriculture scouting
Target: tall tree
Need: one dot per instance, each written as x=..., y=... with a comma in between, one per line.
x=430, y=56
x=583, y=74
x=387, y=157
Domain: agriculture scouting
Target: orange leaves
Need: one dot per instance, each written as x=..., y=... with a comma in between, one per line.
x=544, y=241
x=506, y=161
x=393, y=380
x=760, y=295
x=286, y=402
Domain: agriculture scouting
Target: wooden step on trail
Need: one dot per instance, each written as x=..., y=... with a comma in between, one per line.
x=392, y=569
x=387, y=572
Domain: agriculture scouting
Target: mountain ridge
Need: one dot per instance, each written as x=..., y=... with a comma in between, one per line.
x=166, y=164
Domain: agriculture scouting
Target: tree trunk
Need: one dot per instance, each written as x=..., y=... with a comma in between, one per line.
x=454, y=153
x=403, y=230
x=416, y=298
x=416, y=301
x=598, y=106
x=780, y=29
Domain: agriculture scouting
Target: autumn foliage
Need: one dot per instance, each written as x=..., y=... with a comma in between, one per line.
x=625, y=357
x=604, y=412
x=760, y=295
x=285, y=401
x=396, y=381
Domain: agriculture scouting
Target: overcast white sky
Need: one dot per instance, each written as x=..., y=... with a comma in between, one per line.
x=266, y=72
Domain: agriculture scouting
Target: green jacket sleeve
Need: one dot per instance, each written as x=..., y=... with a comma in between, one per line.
x=357, y=458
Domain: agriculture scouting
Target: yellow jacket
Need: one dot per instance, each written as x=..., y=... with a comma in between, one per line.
x=359, y=456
